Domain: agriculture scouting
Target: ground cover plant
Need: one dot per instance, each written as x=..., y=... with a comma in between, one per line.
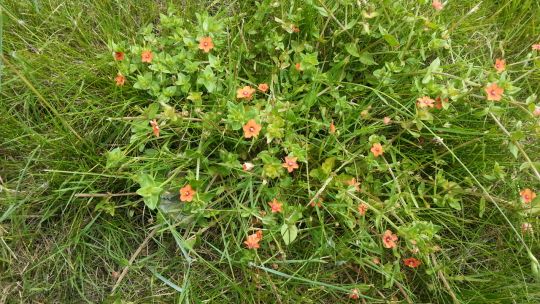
x=309, y=151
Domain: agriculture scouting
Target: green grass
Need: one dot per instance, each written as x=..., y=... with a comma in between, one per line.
x=61, y=114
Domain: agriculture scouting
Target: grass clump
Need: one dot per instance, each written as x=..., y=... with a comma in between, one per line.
x=270, y=151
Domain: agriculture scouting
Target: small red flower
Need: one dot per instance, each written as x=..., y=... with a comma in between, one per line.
x=146, y=56
x=354, y=294
x=290, y=163
x=118, y=56
x=245, y=92
x=494, y=92
x=247, y=166
x=500, y=65
x=526, y=228
x=377, y=149
x=298, y=67
x=536, y=47
x=389, y=239
x=527, y=195
x=155, y=127
x=251, y=129
x=316, y=202
x=206, y=44
x=439, y=102
x=425, y=102
x=412, y=262
x=120, y=79
x=332, y=128
x=352, y=182
x=362, y=209
x=536, y=112
x=187, y=193
x=275, y=205
x=295, y=29
x=437, y=5
x=263, y=87
x=252, y=241
x=387, y=120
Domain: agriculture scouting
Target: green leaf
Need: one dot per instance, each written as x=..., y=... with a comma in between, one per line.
x=150, y=190
x=482, y=207
x=152, y=110
x=391, y=40
x=114, y=157
x=367, y=59
x=513, y=149
x=144, y=82
x=352, y=49
x=517, y=135
x=208, y=79
x=236, y=116
x=328, y=165
x=106, y=206
x=289, y=232
x=321, y=10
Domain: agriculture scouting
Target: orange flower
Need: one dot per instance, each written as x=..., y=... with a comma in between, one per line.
x=353, y=182
x=295, y=29
x=425, y=102
x=259, y=234
x=439, y=102
x=252, y=241
x=316, y=202
x=386, y=120
x=376, y=261
x=245, y=92
x=527, y=195
x=536, y=47
x=412, y=262
x=118, y=56
x=206, y=44
x=332, y=128
x=187, y=193
x=536, y=112
x=146, y=56
x=263, y=87
x=377, y=149
x=275, y=205
x=437, y=5
x=298, y=67
x=120, y=79
x=290, y=163
x=494, y=92
x=389, y=239
x=155, y=127
x=251, y=129
x=362, y=209
x=355, y=294
x=500, y=65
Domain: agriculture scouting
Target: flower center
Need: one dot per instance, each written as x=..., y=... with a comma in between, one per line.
x=187, y=193
x=205, y=43
x=290, y=163
x=246, y=93
x=251, y=129
x=492, y=92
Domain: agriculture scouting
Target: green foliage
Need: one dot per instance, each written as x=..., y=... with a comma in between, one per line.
x=103, y=161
